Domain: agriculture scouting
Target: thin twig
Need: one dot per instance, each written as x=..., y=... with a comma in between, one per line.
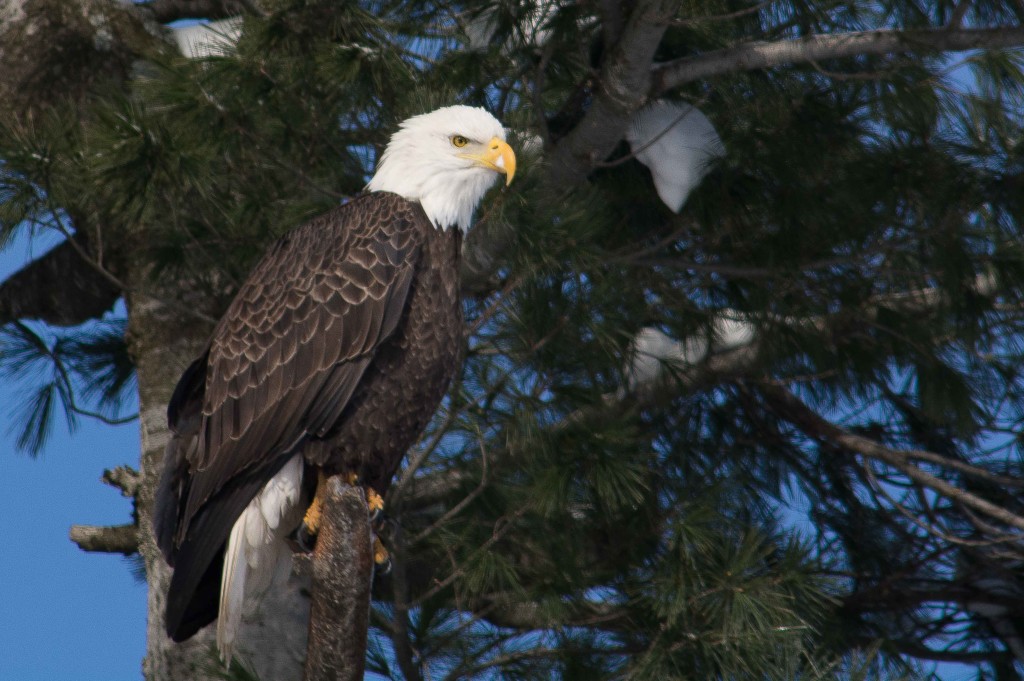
x=724, y=17
x=459, y=507
x=460, y=571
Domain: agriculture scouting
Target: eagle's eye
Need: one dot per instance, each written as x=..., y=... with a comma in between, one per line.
x=459, y=140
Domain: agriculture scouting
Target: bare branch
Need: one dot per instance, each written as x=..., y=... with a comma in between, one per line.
x=502, y=528
x=921, y=651
x=622, y=89
x=760, y=55
x=342, y=570
x=929, y=526
x=166, y=11
x=957, y=18
x=706, y=19
x=124, y=478
x=459, y=507
x=106, y=539
x=790, y=407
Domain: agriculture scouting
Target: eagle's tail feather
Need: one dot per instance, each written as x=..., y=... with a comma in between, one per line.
x=232, y=590
x=256, y=553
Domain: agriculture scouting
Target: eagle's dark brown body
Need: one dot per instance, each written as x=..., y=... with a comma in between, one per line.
x=339, y=346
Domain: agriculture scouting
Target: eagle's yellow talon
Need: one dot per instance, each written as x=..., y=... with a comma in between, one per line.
x=312, y=518
x=373, y=500
x=311, y=521
x=380, y=554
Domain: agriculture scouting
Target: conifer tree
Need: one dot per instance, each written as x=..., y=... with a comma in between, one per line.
x=772, y=432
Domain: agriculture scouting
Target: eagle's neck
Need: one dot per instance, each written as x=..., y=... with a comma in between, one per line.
x=449, y=195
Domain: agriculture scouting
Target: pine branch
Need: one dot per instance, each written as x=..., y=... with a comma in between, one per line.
x=759, y=55
x=59, y=288
x=106, y=538
x=715, y=369
x=923, y=652
x=167, y=11
x=342, y=570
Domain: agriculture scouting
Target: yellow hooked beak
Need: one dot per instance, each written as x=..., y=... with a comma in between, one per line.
x=498, y=156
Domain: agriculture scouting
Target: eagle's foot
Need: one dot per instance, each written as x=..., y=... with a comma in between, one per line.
x=311, y=521
x=304, y=538
x=301, y=540
x=381, y=557
x=375, y=505
x=374, y=501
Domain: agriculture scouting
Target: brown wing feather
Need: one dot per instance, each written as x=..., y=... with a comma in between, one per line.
x=293, y=345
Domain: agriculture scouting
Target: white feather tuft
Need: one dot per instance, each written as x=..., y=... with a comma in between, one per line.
x=677, y=143
x=731, y=332
x=210, y=39
x=257, y=555
x=652, y=348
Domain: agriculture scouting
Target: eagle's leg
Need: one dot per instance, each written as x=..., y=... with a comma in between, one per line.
x=305, y=535
x=311, y=521
x=375, y=504
x=381, y=557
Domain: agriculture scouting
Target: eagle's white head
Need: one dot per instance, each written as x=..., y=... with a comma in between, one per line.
x=446, y=159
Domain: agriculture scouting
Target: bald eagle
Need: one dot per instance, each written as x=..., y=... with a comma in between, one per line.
x=331, y=359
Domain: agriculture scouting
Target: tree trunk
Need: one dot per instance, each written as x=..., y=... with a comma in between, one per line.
x=161, y=347
x=273, y=643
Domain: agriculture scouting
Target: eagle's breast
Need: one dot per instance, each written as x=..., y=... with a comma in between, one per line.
x=407, y=378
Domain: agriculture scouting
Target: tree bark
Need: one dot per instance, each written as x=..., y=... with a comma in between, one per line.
x=108, y=539
x=161, y=347
x=342, y=570
x=272, y=644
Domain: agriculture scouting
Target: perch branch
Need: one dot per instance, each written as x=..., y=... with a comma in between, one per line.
x=342, y=571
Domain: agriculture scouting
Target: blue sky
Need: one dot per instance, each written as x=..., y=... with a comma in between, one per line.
x=64, y=614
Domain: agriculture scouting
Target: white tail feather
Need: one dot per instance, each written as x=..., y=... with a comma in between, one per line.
x=257, y=555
